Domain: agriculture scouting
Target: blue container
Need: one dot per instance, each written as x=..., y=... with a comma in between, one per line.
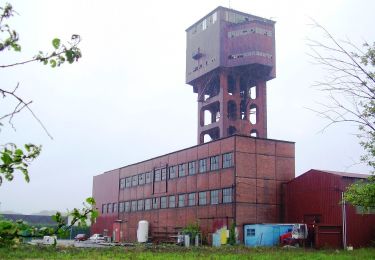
x=216, y=241
x=265, y=234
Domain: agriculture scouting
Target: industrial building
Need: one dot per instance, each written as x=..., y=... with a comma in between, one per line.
x=233, y=179
x=315, y=198
x=235, y=174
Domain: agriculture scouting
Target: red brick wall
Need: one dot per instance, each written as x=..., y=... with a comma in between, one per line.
x=262, y=166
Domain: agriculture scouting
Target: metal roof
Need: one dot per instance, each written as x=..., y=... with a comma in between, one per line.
x=346, y=174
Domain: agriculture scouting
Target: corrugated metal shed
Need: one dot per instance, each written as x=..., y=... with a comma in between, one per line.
x=314, y=198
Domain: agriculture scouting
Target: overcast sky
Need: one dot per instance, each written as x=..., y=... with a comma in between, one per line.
x=126, y=100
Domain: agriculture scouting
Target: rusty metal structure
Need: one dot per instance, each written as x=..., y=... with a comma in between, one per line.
x=315, y=198
x=237, y=176
x=230, y=56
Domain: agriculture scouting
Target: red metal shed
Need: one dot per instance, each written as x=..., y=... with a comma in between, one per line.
x=315, y=198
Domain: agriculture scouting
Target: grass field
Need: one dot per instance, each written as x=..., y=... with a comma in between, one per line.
x=175, y=252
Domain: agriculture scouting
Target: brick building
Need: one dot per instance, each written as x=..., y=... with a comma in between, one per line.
x=234, y=174
x=237, y=178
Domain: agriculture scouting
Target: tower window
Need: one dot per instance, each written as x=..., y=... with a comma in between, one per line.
x=253, y=92
x=207, y=138
x=253, y=114
x=254, y=133
x=231, y=85
x=232, y=110
x=232, y=130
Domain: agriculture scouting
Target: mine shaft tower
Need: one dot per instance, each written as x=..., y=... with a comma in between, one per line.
x=230, y=56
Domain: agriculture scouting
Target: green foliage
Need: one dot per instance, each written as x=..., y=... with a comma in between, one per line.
x=362, y=193
x=14, y=159
x=192, y=229
x=232, y=234
x=13, y=232
x=62, y=53
x=11, y=36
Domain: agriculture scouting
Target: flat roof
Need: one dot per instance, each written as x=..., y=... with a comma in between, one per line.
x=221, y=8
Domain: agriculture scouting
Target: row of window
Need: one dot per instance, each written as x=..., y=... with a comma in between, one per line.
x=173, y=201
x=177, y=171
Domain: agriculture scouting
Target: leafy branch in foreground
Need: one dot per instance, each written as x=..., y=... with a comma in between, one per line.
x=13, y=158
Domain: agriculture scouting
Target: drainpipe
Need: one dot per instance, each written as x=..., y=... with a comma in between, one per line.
x=343, y=208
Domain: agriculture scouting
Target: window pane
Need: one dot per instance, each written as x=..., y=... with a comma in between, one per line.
x=122, y=183
x=202, y=165
x=128, y=182
x=158, y=175
x=141, y=179
x=127, y=206
x=215, y=197
x=192, y=168
x=181, y=170
x=114, y=207
x=134, y=206
x=122, y=207
x=172, y=201
x=164, y=174
x=147, y=204
x=163, y=202
x=227, y=160
x=140, y=205
x=227, y=195
x=148, y=177
x=104, y=208
x=135, y=180
x=202, y=198
x=192, y=199
x=172, y=172
x=181, y=200
x=214, y=163
x=155, y=203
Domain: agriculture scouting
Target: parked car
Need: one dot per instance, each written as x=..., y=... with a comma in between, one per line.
x=97, y=238
x=80, y=237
